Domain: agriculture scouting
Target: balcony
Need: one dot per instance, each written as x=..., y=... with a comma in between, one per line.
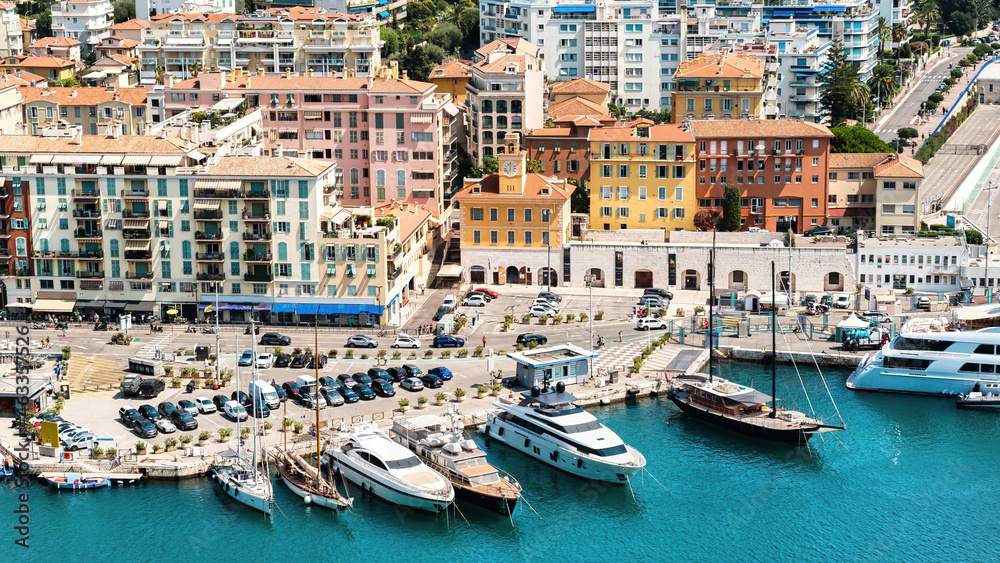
x=130, y=214
x=211, y=193
x=87, y=213
x=86, y=194
x=210, y=256
x=139, y=255
x=200, y=235
x=208, y=276
x=255, y=194
x=257, y=216
x=208, y=214
x=90, y=274
x=255, y=277
x=263, y=236
x=88, y=234
x=135, y=194
x=136, y=234
x=255, y=257
x=138, y=275
x=87, y=254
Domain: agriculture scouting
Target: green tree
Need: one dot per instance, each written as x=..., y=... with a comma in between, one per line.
x=883, y=82
x=657, y=117
x=390, y=41
x=839, y=92
x=973, y=237
x=419, y=61
x=445, y=35
x=43, y=23
x=706, y=220
x=907, y=133
x=490, y=166
x=732, y=212
x=856, y=139
x=533, y=167
x=580, y=200
x=884, y=33
x=124, y=10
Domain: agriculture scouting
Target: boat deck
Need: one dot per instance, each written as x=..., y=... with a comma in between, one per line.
x=114, y=477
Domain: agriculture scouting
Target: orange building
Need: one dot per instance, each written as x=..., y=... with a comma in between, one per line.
x=451, y=78
x=720, y=86
x=562, y=149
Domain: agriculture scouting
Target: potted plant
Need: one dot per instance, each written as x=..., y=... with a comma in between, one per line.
x=167, y=370
x=110, y=453
x=170, y=444
x=459, y=395
x=428, y=354
x=497, y=389
x=349, y=354
x=185, y=440
x=413, y=355
x=140, y=448
x=404, y=405
x=397, y=354
x=463, y=353
x=195, y=383
x=244, y=432
x=299, y=426
x=525, y=319
x=157, y=448
x=421, y=402
x=481, y=391
x=204, y=437
x=224, y=434
x=599, y=316
x=286, y=424
x=332, y=353
x=679, y=312
x=583, y=317
x=570, y=317
x=267, y=428
x=278, y=350
x=557, y=320
x=175, y=383
x=441, y=397
x=364, y=356
x=543, y=320
x=445, y=354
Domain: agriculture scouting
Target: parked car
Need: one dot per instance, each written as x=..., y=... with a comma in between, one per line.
x=165, y=425
x=205, y=405
x=235, y=411
x=441, y=312
x=362, y=378
x=332, y=396
x=184, y=420
x=282, y=360
x=349, y=395
x=150, y=412
x=240, y=397
x=311, y=363
x=541, y=311
x=298, y=361
x=547, y=304
x=361, y=341
x=652, y=301
x=648, y=324
x=661, y=293
x=291, y=389
x=527, y=338
x=474, y=301
x=550, y=296
x=189, y=406
x=484, y=296
x=877, y=316
x=246, y=359
x=346, y=380
x=282, y=396
x=397, y=373
x=443, y=373
x=818, y=230
x=383, y=388
x=258, y=409
x=79, y=442
x=379, y=373
x=488, y=291
x=442, y=340
x=328, y=381
x=450, y=302
x=431, y=381
x=364, y=391
x=412, y=384
x=923, y=303
x=264, y=361
x=127, y=415
x=412, y=370
x=275, y=339
x=220, y=402
x=405, y=341
x=843, y=301
x=144, y=428
x=165, y=408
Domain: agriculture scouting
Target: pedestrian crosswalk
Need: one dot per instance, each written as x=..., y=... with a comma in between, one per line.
x=91, y=371
x=159, y=343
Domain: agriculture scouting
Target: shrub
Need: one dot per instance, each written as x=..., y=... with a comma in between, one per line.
x=98, y=450
x=364, y=356
x=175, y=382
x=508, y=318
x=140, y=446
x=445, y=354
x=909, y=291
x=268, y=426
x=296, y=351
x=440, y=395
x=460, y=392
x=349, y=354
x=167, y=370
x=533, y=344
x=170, y=442
x=278, y=350
x=413, y=355
x=332, y=353
x=699, y=309
x=205, y=435
x=421, y=400
x=497, y=387
x=245, y=431
x=584, y=316
x=298, y=425
x=404, y=402
x=111, y=453
x=482, y=389
x=519, y=347
x=557, y=320
x=66, y=352
x=502, y=352
x=396, y=355
x=525, y=319
x=956, y=73
x=570, y=317
x=186, y=439
x=478, y=352
x=225, y=432
x=463, y=353
x=428, y=354
x=157, y=448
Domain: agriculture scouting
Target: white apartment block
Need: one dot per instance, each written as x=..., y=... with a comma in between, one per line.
x=926, y=264
x=894, y=11
x=87, y=21
x=11, y=37
x=801, y=54
x=144, y=9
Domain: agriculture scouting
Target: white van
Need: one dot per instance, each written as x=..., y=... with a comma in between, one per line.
x=450, y=302
x=263, y=390
x=307, y=381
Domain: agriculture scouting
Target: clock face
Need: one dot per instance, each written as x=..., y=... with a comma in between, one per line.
x=510, y=168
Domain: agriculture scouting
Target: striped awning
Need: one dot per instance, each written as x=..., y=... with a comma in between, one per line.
x=166, y=160
x=135, y=160
x=162, y=205
x=136, y=245
x=40, y=159
x=224, y=185
x=207, y=204
x=89, y=159
x=112, y=224
x=64, y=158
x=164, y=224
x=135, y=223
x=112, y=159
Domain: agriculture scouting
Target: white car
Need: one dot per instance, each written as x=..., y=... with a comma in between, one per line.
x=450, y=302
x=80, y=442
x=71, y=431
x=547, y=304
x=474, y=301
x=165, y=426
x=264, y=361
x=647, y=324
x=235, y=411
x=540, y=311
x=405, y=341
x=877, y=316
x=843, y=302
x=205, y=405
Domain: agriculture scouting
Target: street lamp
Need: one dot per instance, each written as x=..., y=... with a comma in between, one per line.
x=589, y=279
x=548, y=253
x=986, y=279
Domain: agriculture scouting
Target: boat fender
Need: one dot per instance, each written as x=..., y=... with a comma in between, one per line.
x=236, y=492
x=308, y=499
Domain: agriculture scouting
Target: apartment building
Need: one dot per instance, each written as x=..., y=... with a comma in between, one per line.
x=93, y=109
x=292, y=39
x=118, y=46
x=146, y=9
x=642, y=177
x=504, y=94
x=87, y=21
x=801, y=55
x=926, y=264
x=451, y=78
x=855, y=21
x=392, y=137
x=562, y=149
x=720, y=86
x=58, y=47
x=780, y=167
x=11, y=108
x=632, y=46
x=381, y=11
x=878, y=193
x=710, y=29
x=131, y=29
x=513, y=225
x=11, y=37
x=49, y=68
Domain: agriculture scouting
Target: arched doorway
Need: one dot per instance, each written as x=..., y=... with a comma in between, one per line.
x=525, y=274
x=643, y=279
x=691, y=280
x=785, y=281
x=598, y=274
x=513, y=276
x=737, y=279
x=543, y=276
x=833, y=281
x=477, y=274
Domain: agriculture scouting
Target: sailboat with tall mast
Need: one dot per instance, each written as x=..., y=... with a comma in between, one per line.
x=240, y=478
x=302, y=478
x=738, y=407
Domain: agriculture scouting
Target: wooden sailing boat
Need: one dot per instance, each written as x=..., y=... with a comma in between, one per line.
x=737, y=407
x=303, y=479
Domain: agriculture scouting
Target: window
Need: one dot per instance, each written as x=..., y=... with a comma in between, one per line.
x=494, y=237
x=510, y=215
x=888, y=209
x=510, y=238
x=476, y=214
x=477, y=237
x=888, y=185
x=853, y=176
x=494, y=215
x=527, y=215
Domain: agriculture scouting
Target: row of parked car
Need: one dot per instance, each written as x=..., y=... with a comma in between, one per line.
x=479, y=297
x=350, y=388
x=72, y=436
x=148, y=421
x=267, y=360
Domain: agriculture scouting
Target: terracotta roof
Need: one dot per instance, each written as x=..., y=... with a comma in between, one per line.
x=27, y=24
x=574, y=107
x=83, y=96
x=96, y=144
x=40, y=62
x=121, y=42
x=23, y=78
x=299, y=13
x=399, y=86
x=131, y=24
x=548, y=132
x=123, y=59
x=452, y=69
x=277, y=166
x=581, y=86
x=856, y=159
x=900, y=167
x=532, y=188
x=665, y=133
x=411, y=216
x=54, y=42
x=499, y=64
x=6, y=6
x=510, y=44
x=758, y=128
x=721, y=65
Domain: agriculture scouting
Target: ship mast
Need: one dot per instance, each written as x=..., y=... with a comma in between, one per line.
x=711, y=301
x=774, y=345
x=318, y=398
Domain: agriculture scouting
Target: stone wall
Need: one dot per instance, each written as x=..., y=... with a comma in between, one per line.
x=723, y=239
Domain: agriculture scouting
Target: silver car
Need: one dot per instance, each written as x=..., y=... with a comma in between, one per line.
x=361, y=341
x=332, y=397
x=406, y=341
x=165, y=426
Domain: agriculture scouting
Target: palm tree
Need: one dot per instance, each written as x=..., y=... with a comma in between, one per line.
x=860, y=96
x=883, y=82
x=884, y=33
x=899, y=32
x=928, y=11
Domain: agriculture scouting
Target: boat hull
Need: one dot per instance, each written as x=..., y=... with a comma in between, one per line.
x=80, y=485
x=237, y=492
x=504, y=506
x=560, y=458
x=304, y=494
x=794, y=437
x=870, y=377
x=376, y=486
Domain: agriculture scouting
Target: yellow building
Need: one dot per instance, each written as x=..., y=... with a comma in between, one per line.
x=508, y=221
x=451, y=78
x=719, y=86
x=642, y=177
x=50, y=68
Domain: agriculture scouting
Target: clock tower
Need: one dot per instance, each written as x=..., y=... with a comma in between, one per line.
x=512, y=166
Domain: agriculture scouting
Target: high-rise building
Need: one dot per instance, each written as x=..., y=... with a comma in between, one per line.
x=87, y=21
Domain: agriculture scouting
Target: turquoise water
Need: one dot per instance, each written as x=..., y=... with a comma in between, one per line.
x=913, y=479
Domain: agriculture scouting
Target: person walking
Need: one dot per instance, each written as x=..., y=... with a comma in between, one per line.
x=620, y=336
x=484, y=341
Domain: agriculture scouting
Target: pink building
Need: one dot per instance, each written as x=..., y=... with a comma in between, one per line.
x=391, y=137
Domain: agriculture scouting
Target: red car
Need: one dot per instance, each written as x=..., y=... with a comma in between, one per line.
x=490, y=292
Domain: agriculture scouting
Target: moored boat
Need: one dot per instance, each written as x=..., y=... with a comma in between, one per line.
x=76, y=481
x=977, y=399
x=306, y=482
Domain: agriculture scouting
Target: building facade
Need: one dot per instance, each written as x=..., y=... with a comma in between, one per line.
x=11, y=108
x=801, y=55
x=874, y=192
x=49, y=68
x=451, y=78
x=58, y=47
x=563, y=150
x=92, y=109
x=720, y=86
x=11, y=38
x=87, y=21
x=924, y=264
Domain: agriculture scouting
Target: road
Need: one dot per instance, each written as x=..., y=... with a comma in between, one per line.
x=904, y=114
x=945, y=170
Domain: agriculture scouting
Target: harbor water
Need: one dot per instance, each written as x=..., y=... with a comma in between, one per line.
x=912, y=479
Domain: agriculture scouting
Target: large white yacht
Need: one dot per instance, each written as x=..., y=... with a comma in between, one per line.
x=927, y=358
x=549, y=427
x=383, y=468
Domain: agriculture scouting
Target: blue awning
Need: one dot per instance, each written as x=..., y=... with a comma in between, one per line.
x=572, y=9
x=383, y=14
x=829, y=8
x=326, y=309
x=307, y=308
x=283, y=308
x=783, y=13
x=239, y=306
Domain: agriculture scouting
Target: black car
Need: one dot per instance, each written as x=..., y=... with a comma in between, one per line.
x=364, y=391
x=220, y=402
x=258, y=409
x=275, y=339
x=661, y=293
x=396, y=373
x=312, y=361
x=282, y=361
x=298, y=361
x=165, y=408
x=382, y=388
x=412, y=370
x=362, y=378
x=240, y=397
x=144, y=428
x=150, y=412
x=550, y=296
x=348, y=395
x=150, y=388
x=379, y=373
x=282, y=396
x=129, y=416
x=528, y=338
x=441, y=312
x=346, y=380
x=183, y=420
x=328, y=381
x=442, y=340
x=431, y=381
x=818, y=230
